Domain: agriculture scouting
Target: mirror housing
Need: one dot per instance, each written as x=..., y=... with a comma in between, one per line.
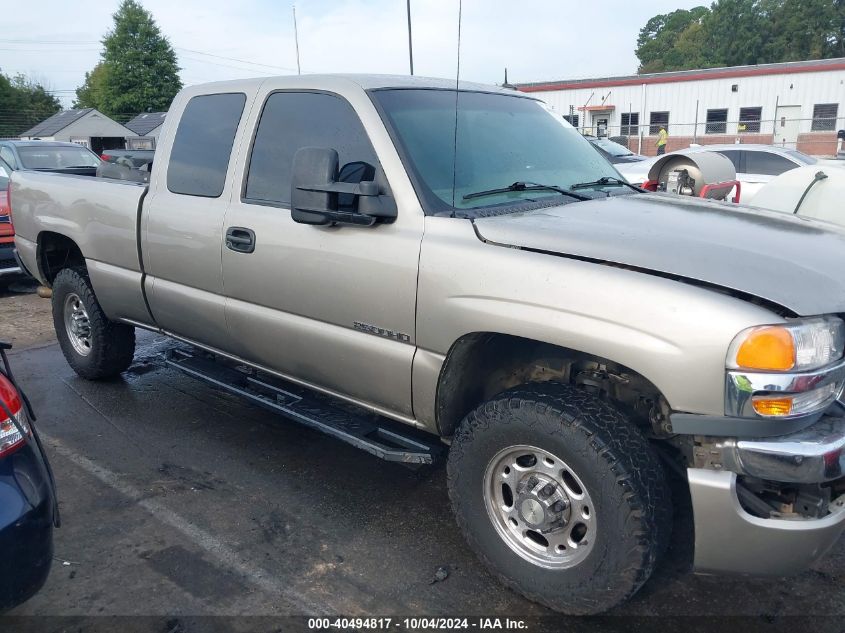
x=315, y=190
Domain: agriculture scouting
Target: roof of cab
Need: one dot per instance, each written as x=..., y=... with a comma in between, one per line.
x=366, y=82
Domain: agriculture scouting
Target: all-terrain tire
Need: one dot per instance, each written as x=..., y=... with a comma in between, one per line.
x=615, y=462
x=112, y=345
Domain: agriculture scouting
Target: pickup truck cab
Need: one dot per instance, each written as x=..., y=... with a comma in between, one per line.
x=463, y=263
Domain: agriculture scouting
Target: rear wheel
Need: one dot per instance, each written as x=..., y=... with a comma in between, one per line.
x=560, y=496
x=93, y=346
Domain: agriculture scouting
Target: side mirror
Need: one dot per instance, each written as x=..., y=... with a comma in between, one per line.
x=840, y=134
x=315, y=189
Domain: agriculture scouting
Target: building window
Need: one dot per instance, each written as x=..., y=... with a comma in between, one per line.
x=824, y=117
x=658, y=120
x=749, y=120
x=572, y=119
x=717, y=122
x=630, y=123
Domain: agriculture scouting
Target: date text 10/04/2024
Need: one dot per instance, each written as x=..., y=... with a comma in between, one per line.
x=416, y=624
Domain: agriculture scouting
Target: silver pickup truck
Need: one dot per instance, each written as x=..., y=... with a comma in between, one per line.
x=420, y=269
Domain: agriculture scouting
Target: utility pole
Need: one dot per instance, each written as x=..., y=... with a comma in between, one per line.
x=410, y=41
x=296, y=39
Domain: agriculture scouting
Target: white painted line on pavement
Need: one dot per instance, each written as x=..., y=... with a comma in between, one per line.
x=211, y=545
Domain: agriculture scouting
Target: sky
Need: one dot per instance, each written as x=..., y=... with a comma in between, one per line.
x=57, y=41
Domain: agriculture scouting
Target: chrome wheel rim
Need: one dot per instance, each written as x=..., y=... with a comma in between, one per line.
x=77, y=324
x=539, y=507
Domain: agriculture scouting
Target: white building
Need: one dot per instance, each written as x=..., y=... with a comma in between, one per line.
x=795, y=104
x=86, y=126
x=147, y=126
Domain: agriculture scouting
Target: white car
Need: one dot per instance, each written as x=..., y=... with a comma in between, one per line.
x=755, y=165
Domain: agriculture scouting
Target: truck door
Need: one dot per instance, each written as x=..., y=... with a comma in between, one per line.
x=182, y=223
x=333, y=306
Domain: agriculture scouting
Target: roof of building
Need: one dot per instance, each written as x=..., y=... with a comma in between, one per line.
x=57, y=122
x=145, y=123
x=783, y=68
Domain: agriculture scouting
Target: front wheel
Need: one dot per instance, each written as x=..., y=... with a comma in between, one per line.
x=560, y=496
x=94, y=346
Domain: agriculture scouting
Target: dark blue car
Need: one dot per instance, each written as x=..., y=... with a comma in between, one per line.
x=28, y=509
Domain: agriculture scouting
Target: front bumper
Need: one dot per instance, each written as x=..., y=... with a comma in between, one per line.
x=812, y=455
x=728, y=538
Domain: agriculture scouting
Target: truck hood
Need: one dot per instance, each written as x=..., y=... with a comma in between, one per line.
x=791, y=261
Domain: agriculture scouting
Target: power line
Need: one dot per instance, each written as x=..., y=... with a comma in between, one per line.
x=178, y=48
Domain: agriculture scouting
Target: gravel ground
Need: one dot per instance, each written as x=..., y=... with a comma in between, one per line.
x=25, y=319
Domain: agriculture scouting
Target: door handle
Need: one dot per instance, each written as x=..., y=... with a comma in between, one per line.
x=240, y=240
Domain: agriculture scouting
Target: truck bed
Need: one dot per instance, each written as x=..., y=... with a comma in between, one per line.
x=100, y=215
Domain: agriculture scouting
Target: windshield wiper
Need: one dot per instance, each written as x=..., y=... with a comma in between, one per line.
x=604, y=181
x=526, y=186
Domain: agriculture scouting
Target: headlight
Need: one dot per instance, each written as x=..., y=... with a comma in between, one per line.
x=802, y=345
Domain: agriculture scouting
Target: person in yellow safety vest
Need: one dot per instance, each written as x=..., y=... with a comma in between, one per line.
x=662, y=137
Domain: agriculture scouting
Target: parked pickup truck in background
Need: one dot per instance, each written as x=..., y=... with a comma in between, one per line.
x=467, y=267
x=126, y=164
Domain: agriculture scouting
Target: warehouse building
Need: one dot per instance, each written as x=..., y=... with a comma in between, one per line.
x=796, y=104
x=148, y=127
x=85, y=126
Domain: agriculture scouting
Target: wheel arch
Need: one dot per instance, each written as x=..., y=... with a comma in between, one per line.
x=56, y=251
x=480, y=365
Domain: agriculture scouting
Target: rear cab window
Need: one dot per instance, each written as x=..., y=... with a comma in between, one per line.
x=203, y=144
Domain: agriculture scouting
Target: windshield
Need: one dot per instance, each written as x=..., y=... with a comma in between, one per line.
x=614, y=149
x=56, y=157
x=801, y=157
x=500, y=140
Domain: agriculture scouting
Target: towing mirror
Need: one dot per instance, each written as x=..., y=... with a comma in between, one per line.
x=315, y=189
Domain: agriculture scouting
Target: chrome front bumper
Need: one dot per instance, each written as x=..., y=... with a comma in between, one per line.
x=729, y=539
x=813, y=455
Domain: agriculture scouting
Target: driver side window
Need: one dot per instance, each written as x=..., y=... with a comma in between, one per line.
x=292, y=120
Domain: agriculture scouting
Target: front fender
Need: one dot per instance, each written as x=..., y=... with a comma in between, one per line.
x=674, y=334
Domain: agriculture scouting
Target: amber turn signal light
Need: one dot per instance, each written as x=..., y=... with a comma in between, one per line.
x=767, y=348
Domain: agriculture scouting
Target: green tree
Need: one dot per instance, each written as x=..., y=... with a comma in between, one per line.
x=656, y=44
x=90, y=94
x=738, y=32
x=138, y=70
x=807, y=29
x=23, y=103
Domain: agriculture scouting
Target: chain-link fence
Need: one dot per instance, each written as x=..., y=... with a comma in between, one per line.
x=817, y=136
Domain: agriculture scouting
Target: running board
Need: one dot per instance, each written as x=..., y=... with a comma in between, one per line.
x=375, y=434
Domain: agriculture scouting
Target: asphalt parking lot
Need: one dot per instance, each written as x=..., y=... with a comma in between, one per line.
x=178, y=500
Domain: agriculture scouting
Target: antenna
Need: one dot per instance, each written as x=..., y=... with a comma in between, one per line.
x=296, y=39
x=410, y=41
x=457, y=84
